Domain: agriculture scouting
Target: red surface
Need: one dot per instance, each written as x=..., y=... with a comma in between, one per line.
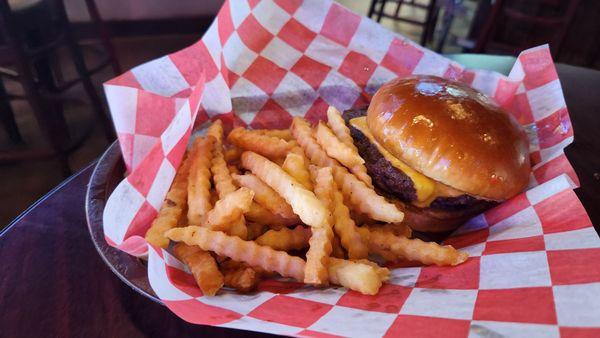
x=290, y=311
x=463, y=276
x=389, y=299
x=525, y=305
x=572, y=266
x=427, y=327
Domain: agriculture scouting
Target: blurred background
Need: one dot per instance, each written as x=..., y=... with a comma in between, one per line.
x=55, y=54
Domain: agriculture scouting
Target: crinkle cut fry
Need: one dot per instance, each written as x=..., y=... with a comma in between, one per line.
x=357, y=276
x=172, y=208
x=346, y=229
x=286, y=239
x=398, y=229
x=339, y=128
x=320, y=246
x=203, y=267
x=229, y=209
x=222, y=178
x=304, y=202
x=384, y=273
x=336, y=148
x=255, y=230
x=296, y=165
x=265, y=195
x=272, y=147
x=242, y=277
x=353, y=275
x=216, y=130
x=199, y=179
x=283, y=134
x=232, y=154
x=262, y=215
x=240, y=250
x=413, y=249
x=365, y=199
x=361, y=196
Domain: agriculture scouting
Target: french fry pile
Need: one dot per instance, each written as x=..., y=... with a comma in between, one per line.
x=296, y=203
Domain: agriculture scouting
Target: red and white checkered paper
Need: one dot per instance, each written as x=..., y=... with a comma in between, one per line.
x=534, y=266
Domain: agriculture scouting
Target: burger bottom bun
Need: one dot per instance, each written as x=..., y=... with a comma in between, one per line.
x=431, y=220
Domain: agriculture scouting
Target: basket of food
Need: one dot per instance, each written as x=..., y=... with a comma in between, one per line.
x=301, y=170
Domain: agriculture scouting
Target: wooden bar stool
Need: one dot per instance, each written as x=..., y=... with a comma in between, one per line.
x=31, y=32
x=428, y=25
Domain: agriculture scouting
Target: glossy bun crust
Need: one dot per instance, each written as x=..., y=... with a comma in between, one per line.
x=452, y=134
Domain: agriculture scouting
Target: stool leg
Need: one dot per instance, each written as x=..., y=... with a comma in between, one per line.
x=446, y=24
x=429, y=25
x=372, y=8
x=95, y=100
x=83, y=73
x=397, y=12
x=104, y=35
x=54, y=129
x=8, y=117
x=381, y=10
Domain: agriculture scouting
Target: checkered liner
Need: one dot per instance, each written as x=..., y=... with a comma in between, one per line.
x=533, y=269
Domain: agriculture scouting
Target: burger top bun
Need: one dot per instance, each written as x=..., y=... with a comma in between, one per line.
x=452, y=134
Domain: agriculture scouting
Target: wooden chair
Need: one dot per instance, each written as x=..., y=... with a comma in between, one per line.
x=428, y=25
x=505, y=14
x=30, y=37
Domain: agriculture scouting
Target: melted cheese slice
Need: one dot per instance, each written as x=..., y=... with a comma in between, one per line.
x=427, y=189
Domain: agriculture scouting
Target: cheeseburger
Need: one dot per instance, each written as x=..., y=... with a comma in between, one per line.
x=441, y=150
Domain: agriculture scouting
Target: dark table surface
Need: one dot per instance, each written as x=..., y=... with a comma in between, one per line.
x=53, y=283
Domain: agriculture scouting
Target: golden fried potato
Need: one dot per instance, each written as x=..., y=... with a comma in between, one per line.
x=203, y=267
x=320, y=247
x=339, y=128
x=356, y=276
x=199, y=179
x=366, y=200
x=229, y=210
x=362, y=197
x=271, y=147
x=240, y=276
x=240, y=250
x=232, y=154
x=255, y=230
x=265, y=195
x=262, y=215
x=412, y=249
x=286, y=239
x=304, y=202
x=336, y=148
x=296, y=166
x=346, y=229
x=284, y=134
x=173, y=207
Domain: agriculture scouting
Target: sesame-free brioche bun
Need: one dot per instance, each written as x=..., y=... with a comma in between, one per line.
x=453, y=134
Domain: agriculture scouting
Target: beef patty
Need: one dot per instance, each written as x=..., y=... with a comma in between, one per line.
x=395, y=182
